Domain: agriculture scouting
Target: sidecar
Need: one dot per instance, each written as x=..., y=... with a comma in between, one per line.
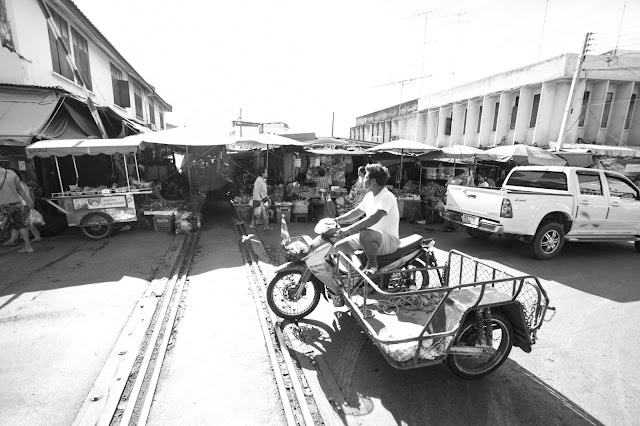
x=470, y=319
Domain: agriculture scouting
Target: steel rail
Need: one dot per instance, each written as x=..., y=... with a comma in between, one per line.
x=153, y=381
x=259, y=293
x=251, y=276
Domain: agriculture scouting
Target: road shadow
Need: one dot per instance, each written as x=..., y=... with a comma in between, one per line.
x=72, y=260
x=604, y=269
x=376, y=393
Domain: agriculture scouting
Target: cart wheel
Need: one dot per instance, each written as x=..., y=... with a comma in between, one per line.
x=474, y=367
x=96, y=226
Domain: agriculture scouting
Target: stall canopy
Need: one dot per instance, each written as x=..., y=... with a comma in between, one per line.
x=184, y=136
x=23, y=112
x=64, y=147
x=525, y=155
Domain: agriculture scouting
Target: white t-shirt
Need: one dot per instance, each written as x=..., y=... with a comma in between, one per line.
x=385, y=200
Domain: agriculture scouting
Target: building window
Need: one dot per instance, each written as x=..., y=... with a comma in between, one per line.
x=120, y=88
x=464, y=125
x=514, y=113
x=479, y=119
x=161, y=115
x=58, y=54
x=495, y=116
x=81, y=54
x=137, y=98
x=152, y=114
x=534, y=110
x=583, y=111
x=447, y=125
x=632, y=103
x=607, y=109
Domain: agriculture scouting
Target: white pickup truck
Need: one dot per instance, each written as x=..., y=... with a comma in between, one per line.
x=544, y=206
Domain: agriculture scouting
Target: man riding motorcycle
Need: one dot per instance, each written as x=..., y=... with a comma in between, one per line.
x=378, y=232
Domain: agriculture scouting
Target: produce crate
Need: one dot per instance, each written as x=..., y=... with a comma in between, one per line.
x=163, y=222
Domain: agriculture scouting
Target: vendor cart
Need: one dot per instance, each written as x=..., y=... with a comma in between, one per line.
x=96, y=211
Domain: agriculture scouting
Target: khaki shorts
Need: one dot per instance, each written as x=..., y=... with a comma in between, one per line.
x=388, y=245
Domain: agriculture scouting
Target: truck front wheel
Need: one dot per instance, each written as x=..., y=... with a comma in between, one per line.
x=548, y=241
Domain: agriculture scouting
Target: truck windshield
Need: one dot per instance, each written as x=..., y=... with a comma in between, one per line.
x=538, y=179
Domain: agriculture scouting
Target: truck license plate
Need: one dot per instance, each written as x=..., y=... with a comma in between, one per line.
x=473, y=220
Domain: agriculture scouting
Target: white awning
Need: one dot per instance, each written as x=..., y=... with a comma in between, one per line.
x=64, y=147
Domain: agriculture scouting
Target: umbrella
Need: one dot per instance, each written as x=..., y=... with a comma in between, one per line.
x=525, y=155
x=402, y=146
x=463, y=151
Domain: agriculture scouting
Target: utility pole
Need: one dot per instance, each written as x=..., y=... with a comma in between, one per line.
x=567, y=109
x=240, y=119
x=333, y=118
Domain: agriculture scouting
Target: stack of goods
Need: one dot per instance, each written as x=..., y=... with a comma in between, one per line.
x=187, y=222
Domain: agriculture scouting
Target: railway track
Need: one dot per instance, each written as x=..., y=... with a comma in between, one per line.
x=296, y=395
x=124, y=390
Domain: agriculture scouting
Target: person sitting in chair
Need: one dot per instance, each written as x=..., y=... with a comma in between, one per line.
x=378, y=232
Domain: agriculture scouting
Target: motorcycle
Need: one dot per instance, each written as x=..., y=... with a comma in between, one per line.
x=467, y=314
x=313, y=270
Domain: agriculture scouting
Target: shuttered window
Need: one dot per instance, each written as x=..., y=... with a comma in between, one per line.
x=137, y=98
x=152, y=114
x=479, y=119
x=534, y=110
x=514, y=113
x=81, y=54
x=583, y=111
x=607, y=110
x=632, y=103
x=58, y=55
x=495, y=116
x=161, y=114
x=120, y=88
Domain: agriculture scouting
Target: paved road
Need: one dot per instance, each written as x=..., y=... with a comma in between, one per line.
x=218, y=370
x=583, y=370
x=62, y=309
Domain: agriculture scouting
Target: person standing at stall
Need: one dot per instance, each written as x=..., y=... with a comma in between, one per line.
x=11, y=196
x=260, y=199
x=358, y=190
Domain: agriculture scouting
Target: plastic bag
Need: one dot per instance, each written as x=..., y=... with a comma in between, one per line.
x=35, y=219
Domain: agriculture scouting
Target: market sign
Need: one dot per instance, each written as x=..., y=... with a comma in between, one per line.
x=94, y=203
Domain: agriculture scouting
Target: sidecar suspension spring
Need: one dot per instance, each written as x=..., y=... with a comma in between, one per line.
x=479, y=323
x=488, y=326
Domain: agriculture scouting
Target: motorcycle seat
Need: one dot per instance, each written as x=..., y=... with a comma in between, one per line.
x=407, y=245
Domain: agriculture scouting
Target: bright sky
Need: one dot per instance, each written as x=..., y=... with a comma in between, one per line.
x=300, y=61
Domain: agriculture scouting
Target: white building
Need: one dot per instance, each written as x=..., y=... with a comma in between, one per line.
x=525, y=105
x=33, y=65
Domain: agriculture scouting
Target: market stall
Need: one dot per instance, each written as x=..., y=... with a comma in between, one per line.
x=97, y=211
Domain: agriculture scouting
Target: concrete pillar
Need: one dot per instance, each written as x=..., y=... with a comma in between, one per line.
x=595, y=109
x=502, y=126
x=545, y=112
x=471, y=133
x=443, y=114
x=486, y=120
x=421, y=134
x=432, y=127
x=619, y=108
x=457, y=123
x=631, y=136
x=572, y=130
x=524, y=115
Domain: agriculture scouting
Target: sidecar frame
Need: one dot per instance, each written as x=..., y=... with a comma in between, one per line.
x=410, y=338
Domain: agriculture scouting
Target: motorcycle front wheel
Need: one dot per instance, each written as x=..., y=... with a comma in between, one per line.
x=475, y=367
x=287, y=300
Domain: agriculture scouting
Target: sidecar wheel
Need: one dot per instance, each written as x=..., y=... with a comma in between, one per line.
x=475, y=367
x=281, y=290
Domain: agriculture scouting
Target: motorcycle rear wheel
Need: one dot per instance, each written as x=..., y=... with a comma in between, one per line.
x=280, y=296
x=475, y=367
